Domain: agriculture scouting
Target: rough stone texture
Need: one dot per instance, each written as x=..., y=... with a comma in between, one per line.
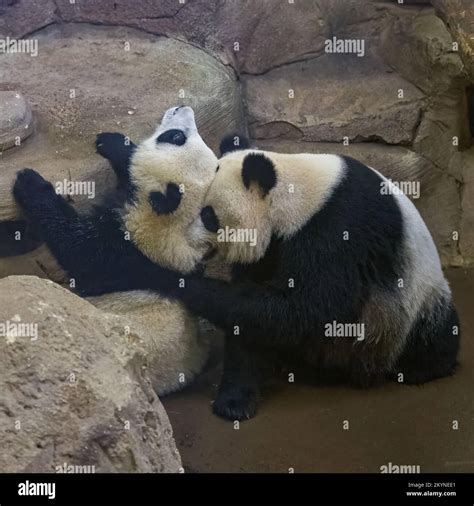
x=363, y=103
x=115, y=89
x=459, y=16
x=68, y=395
x=21, y=17
x=439, y=197
x=440, y=124
x=271, y=34
x=162, y=17
x=16, y=120
x=419, y=48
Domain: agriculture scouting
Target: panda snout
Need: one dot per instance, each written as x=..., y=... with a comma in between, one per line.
x=181, y=117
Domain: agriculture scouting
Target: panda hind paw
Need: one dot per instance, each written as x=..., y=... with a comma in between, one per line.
x=236, y=403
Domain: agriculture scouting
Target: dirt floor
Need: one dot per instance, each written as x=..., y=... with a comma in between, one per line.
x=301, y=426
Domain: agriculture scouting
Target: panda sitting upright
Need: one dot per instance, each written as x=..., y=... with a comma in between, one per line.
x=332, y=248
x=145, y=223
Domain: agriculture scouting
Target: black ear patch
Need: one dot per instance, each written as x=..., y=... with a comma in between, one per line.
x=257, y=167
x=209, y=219
x=166, y=204
x=233, y=142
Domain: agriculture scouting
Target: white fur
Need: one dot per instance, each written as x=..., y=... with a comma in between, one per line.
x=175, y=350
x=166, y=239
x=423, y=282
x=304, y=183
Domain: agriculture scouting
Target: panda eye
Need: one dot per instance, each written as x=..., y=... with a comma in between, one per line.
x=209, y=219
x=173, y=136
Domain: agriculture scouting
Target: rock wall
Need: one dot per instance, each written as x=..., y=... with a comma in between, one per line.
x=404, y=103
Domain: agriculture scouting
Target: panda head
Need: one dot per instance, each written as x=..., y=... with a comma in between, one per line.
x=257, y=195
x=170, y=173
x=236, y=210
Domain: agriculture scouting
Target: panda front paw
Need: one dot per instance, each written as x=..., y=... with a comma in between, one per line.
x=30, y=187
x=108, y=144
x=236, y=402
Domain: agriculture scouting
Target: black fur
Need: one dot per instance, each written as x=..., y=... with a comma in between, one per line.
x=118, y=149
x=432, y=346
x=258, y=168
x=333, y=278
x=93, y=249
x=166, y=204
x=172, y=136
x=260, y=313
x=209, y=219
x=233, y=142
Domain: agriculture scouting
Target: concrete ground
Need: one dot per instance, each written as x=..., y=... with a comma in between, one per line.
x=301, y=426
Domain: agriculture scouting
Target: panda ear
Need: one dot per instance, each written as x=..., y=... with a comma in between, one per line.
x=233, y=142
x=257, y=167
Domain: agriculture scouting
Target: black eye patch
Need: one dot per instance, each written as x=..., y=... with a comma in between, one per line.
x=209, y=219
x=172, y=136
x=165, y=203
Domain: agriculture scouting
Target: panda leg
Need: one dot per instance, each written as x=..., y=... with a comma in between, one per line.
x=432, y=348
x=239, y=390
x=118, y=149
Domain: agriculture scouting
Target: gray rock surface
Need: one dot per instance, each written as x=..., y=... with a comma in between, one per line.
x=459, y=17
x=16, y=119
x=363, y=104
x=74, y=389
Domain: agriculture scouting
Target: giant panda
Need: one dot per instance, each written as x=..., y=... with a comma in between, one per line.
x=161, y=183
x=332, y=247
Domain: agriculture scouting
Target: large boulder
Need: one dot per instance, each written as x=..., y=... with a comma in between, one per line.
x=74, y=387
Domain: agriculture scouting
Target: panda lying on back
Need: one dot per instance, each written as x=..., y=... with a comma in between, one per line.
x=144, y=224
x=331, y=249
